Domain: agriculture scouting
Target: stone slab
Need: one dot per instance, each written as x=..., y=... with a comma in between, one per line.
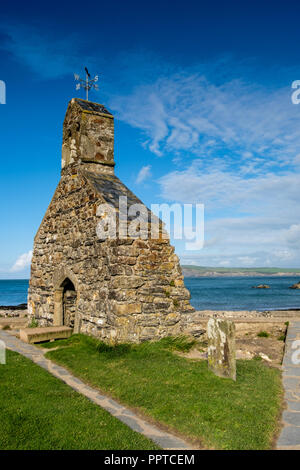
x=36, y=335
x=291, y=383
x=292, y=417
x=294, y=405
x=290, y=436
x=292, y=371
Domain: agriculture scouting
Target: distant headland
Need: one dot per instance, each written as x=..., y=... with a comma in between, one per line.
x=204, y=271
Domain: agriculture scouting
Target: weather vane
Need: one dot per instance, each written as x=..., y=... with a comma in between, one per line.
x=88, y=83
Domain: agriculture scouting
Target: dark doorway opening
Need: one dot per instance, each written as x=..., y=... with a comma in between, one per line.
x=69, y=303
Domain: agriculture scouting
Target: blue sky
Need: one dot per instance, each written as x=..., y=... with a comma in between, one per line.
x=201, y=93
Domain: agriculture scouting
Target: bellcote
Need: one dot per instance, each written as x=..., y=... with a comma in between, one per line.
x=88, y=137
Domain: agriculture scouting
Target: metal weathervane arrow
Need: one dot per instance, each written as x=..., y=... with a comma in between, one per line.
x=88, y=83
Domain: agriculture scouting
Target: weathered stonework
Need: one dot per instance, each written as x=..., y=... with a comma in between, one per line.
x=221, y=347
x=124, y=289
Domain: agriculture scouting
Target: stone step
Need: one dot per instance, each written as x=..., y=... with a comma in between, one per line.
x=48, y=333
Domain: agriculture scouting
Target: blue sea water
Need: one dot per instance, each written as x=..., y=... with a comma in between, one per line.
x=236, y=293
x=207, y=293
x=13, y=292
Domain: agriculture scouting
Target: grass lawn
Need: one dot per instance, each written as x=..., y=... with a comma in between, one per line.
x=180, y=393
x=39, y=411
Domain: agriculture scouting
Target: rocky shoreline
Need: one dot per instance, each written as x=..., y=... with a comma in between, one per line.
x=13, y=311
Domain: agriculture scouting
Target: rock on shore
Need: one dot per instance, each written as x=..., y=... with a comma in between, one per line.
x=295, y=286
x=261, y=286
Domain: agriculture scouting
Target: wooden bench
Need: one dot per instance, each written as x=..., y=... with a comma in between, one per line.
x=48, y=333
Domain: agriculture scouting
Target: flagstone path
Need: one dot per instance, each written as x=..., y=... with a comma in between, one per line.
x=289, y=438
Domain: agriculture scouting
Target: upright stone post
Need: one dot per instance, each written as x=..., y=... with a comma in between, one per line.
x=2, y=352
x=221, y=347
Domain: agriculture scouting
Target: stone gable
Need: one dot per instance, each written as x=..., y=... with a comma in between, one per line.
x=118, y=289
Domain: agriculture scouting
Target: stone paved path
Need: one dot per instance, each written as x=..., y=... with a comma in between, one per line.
x=161, y=438
x=289, y=438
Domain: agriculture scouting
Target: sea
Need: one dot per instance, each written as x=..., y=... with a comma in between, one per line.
x=207, y=293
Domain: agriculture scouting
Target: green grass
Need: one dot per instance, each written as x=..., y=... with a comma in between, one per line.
x=33, y=324
x=263, y=334
x=39, y=411
x=182, y=394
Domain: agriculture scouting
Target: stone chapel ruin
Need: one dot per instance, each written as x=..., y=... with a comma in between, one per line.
x=118, y=289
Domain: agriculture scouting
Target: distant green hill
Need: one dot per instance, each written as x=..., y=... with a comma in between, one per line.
x=197, y=271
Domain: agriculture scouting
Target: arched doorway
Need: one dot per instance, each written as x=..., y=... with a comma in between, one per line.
x=65, y=301
x=68, y=303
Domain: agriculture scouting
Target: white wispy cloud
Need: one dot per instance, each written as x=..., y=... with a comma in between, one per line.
x=143, y=174
x=223, y=188
x=22, y=262
x=236, y=147
x=248, y=220
x=188, y=112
